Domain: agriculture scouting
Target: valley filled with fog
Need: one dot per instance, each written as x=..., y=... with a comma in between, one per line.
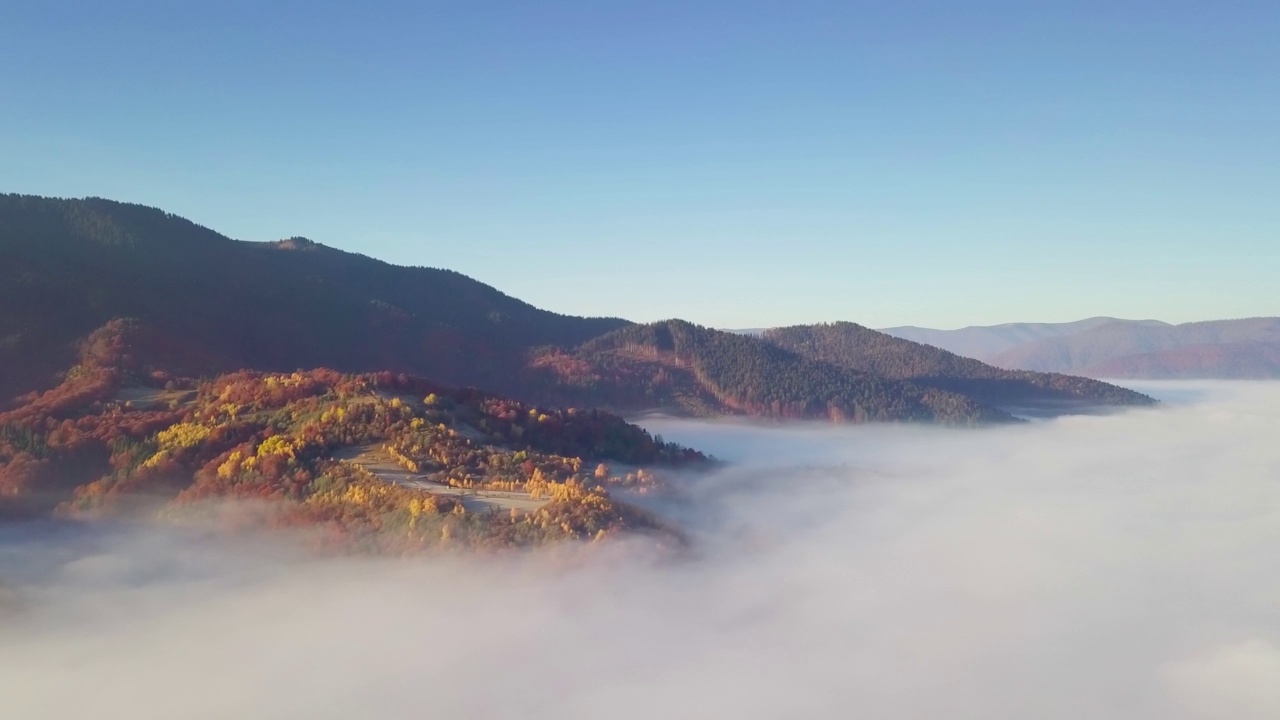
x=1116, y=566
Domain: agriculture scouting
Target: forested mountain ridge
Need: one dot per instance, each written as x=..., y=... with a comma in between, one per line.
x=856, y=347
x=68, y=267
x=681, y=367
x=207, y=305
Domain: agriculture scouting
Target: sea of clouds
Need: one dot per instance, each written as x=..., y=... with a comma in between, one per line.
x=1120, y=566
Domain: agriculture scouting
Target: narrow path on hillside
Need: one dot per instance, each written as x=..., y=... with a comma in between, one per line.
x=378, y=462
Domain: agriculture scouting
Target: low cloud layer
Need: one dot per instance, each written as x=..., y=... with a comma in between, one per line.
x=1090, y=567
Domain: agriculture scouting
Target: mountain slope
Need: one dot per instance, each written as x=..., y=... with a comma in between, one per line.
x=1104, y=349
x=69, y=266
x=204, y=304
x=1247, y=360
x=859, y=348
x=370, y=462
x=682, y=367
x=986, y=341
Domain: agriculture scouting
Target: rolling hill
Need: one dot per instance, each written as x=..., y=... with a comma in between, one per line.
x=676, y=366
x=859, y=348
x=373, y=462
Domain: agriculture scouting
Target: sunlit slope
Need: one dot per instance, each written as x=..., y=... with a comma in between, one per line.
x=359, y=461
x=682, y=367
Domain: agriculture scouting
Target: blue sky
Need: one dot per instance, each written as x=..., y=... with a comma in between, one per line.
x=737, y=164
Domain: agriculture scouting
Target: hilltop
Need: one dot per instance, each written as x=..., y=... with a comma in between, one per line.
x=378, y=462
x=859, y=348
x=67, y=267
x=685, y=368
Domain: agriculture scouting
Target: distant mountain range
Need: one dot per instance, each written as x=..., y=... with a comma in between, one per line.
x=1246, y=348
x=207, y=304
x=1111, y=348
x=987, y=342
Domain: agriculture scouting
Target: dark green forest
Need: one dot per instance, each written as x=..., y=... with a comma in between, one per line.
x=855, y=347
x=207, y=304
x=68, y=267
x=706, y=371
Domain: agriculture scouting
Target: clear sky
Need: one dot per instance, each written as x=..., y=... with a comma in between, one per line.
x=738, y=164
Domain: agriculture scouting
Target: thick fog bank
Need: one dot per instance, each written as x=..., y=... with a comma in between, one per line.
x=1125, y=566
